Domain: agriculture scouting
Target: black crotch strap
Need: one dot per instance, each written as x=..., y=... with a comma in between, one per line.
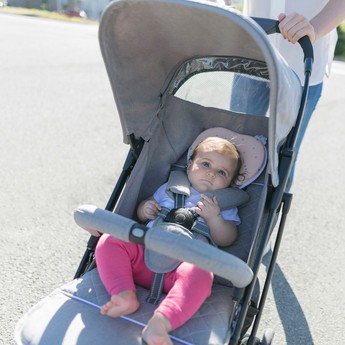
x=156, y=288
x=157, y=284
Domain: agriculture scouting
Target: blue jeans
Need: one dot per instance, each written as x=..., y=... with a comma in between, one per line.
x=257, y=104
x=314, y=95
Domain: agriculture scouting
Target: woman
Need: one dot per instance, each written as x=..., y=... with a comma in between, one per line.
x=317, y=19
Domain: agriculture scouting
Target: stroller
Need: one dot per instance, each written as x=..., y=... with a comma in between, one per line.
x=177, y=69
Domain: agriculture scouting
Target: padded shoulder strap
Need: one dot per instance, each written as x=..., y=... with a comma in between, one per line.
x=178, y=183
x=229, y=198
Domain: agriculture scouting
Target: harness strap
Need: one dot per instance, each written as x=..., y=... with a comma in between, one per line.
x=202, y=228
x=162, y=215
x=156, y=288
x=180, y=200
x=157, y=284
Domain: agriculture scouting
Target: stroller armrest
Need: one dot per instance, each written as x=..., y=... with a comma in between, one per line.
x=177, y=247
x=200, y=254
x=97, y=221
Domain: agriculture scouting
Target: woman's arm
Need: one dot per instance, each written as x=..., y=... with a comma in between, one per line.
x=329, y=18
x=294, y=26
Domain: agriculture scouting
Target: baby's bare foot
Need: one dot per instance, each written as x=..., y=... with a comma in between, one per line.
x=124, y=303
x=156, y=331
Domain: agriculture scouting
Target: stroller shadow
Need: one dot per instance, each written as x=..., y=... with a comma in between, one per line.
x=81, y=324
x=291, y=314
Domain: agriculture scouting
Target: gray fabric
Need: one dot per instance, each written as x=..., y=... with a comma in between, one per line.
x=178, y=183
x=138, y=71
x=251, y=215
x=202, y=231
x=229, y=198
x=160, y=263
x=201, y=254
x=52, y=318
x=96, y=220
x=60, y=320
x=169, y=143
x=160, y=239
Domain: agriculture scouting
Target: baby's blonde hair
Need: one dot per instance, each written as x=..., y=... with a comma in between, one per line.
x=221, y=146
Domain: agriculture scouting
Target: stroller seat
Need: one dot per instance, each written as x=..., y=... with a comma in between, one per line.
x=70, y=314
x=62, y=319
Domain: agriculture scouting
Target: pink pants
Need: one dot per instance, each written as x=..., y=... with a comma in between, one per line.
x=121, y=265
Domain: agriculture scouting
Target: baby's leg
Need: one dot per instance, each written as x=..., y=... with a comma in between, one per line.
x=124, y=303
x=157, y=330
x=188, y=287
x=117, y=263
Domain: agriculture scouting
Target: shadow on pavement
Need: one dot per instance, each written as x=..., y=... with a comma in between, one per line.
x=291, y=314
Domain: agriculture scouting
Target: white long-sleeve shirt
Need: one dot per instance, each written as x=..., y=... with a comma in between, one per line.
x=293, y=54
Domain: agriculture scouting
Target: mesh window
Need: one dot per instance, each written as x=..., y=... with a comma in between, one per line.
x=225, y=83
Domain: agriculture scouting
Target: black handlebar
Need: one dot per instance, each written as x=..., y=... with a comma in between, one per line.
x=271, y=26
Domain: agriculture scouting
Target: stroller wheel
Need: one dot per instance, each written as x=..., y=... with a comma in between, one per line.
x=267, y=338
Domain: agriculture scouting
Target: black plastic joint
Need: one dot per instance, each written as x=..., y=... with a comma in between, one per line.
x=137, y=233
x=288, y=152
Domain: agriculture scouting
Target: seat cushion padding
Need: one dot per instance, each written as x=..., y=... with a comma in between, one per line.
x=61, y=320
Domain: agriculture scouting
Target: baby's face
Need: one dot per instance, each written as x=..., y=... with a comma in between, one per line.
x=211, y=170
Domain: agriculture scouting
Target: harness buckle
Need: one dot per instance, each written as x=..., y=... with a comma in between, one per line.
x=181, y=216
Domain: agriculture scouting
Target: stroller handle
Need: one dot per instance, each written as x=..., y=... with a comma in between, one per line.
x=271, y=26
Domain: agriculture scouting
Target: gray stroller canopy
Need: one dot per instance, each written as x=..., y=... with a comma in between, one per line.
x=143, y=42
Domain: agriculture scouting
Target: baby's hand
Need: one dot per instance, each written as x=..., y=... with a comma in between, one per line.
x=150, y=209
x=207, y=208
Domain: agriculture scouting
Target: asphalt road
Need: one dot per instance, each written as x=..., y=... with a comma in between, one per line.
x=61, y=146
x=305, y=303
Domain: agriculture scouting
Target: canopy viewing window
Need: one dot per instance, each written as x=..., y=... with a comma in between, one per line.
x=234, y=84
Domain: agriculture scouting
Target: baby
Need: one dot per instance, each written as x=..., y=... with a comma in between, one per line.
x=213, y=165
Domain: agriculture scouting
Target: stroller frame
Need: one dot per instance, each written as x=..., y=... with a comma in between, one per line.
x=280, y=206
x=245, y=313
